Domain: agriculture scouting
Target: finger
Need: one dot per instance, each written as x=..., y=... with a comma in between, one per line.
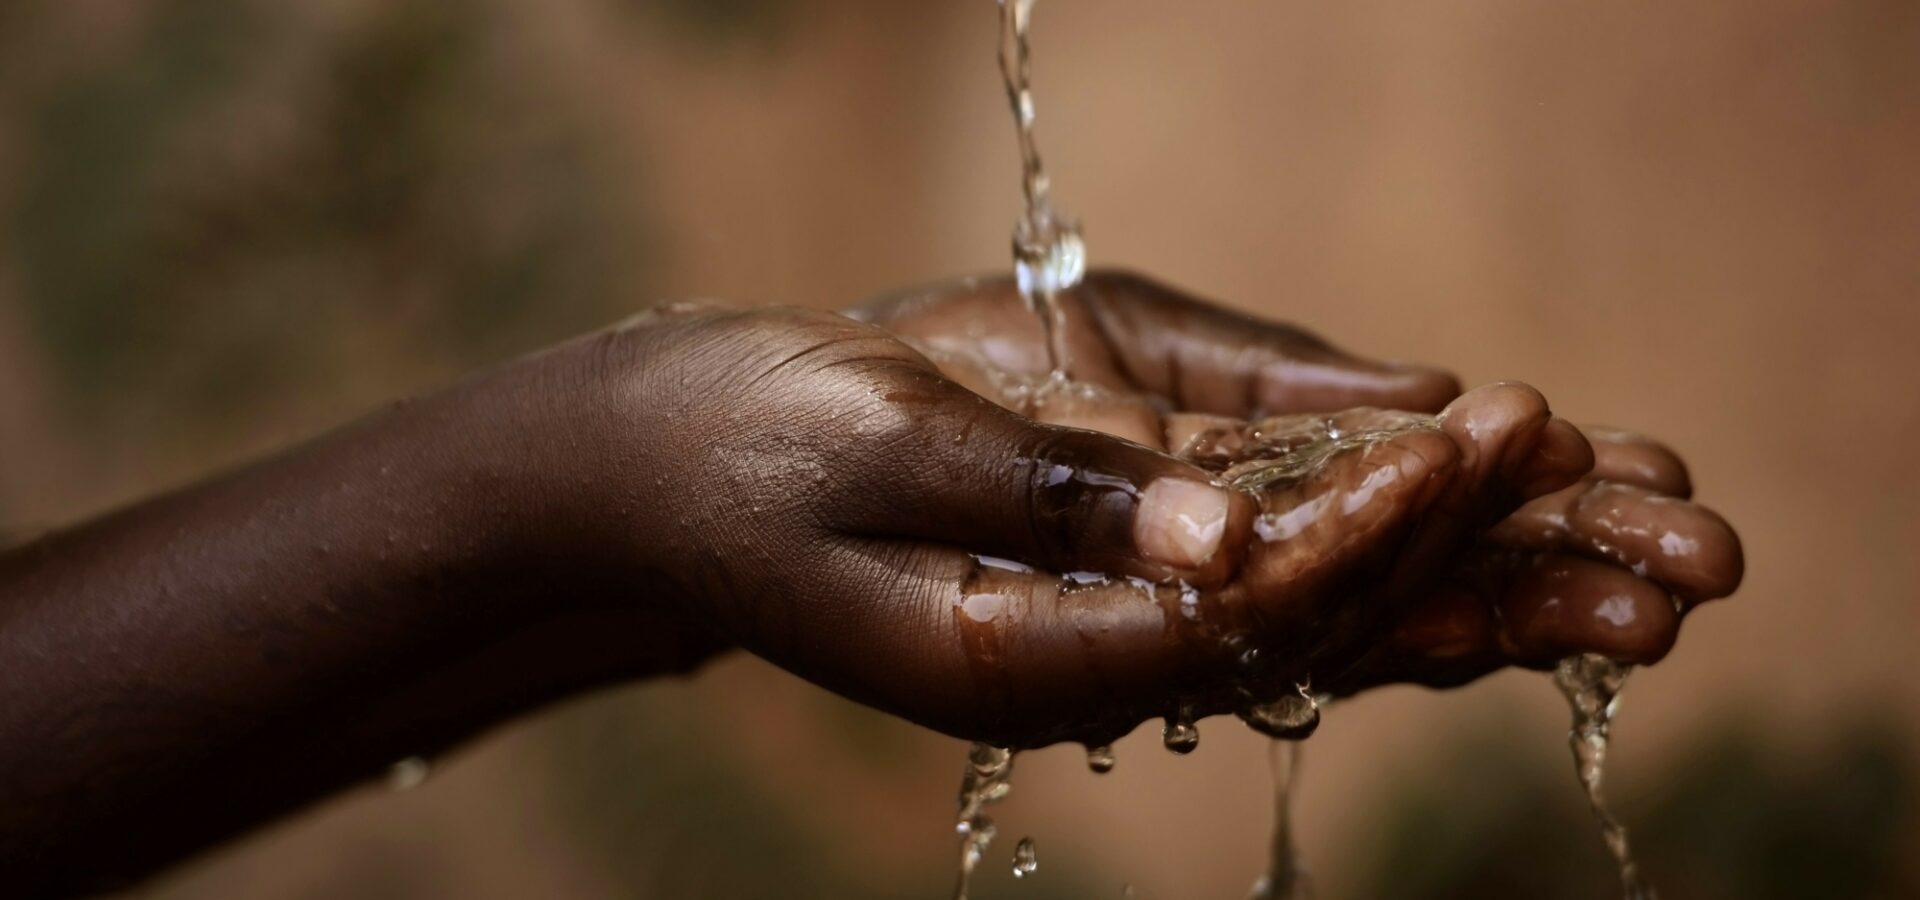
x=963, y=471
x=1208, y=359
x=1556, y=606
x=1335, y=539
x=991, y=650
x=1376, y=524
x=1677, y=543
x=1451, y=639
x=1514, y=448
x=1521, y=609
x=1630, y=458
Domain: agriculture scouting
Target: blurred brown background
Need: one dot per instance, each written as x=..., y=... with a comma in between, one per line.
x=227, y=224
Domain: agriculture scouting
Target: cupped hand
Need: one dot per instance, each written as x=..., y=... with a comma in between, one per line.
x=814, y=490
x=1608, y=565
x=817, y=491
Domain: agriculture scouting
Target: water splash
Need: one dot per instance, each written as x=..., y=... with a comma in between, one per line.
x=1592, y=686
x=988, y=780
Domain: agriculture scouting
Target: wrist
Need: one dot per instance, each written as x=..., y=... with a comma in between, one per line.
x=563, y=463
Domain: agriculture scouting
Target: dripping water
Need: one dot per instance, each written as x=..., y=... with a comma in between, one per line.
x=1100, y=759
x=1049, y=256
x=988, y=780
x=1289, y=719
x=1024, y=861
x=1592, y=686
x=1292, y=716
x=1181, y=735
x=1285, y=879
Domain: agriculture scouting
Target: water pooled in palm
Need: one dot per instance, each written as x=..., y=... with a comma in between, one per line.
x=1592, y=686
x=1049, y=257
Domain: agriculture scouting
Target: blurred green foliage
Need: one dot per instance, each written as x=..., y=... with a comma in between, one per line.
x=243, y=201
x=1733, y=818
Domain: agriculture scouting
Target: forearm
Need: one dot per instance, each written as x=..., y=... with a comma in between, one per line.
x=178, y=670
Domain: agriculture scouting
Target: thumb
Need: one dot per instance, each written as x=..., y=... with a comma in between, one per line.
x=993, y=482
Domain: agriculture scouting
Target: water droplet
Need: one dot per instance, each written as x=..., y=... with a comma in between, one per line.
x=1189, y=602
x=1292, y=716
x=1024, y=861
x=1100, y=759
x=1180, y=734
x=408, y=773
x=987, y=780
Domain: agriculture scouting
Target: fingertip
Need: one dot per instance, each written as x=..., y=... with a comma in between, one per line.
x=1632, y=458
x=1561, y=456
x=1421, y=388
x=1563, y=605
x=1194, y=528
x=1720, y=570
x=1685, y=546
x=1489, y=409
x=1497, y=427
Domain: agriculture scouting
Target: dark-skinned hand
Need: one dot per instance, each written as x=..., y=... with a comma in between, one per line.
x=901, y=509
x=1609, y=565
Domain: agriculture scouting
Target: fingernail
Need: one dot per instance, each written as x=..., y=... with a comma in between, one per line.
x=1180, y=522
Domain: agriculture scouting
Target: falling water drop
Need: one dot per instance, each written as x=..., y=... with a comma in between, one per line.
x=1024, y=861
x=408, y=773
x=987, y=780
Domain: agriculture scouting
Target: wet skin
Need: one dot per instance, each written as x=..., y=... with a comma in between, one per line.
x=1498, y=535
x=820, y=492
